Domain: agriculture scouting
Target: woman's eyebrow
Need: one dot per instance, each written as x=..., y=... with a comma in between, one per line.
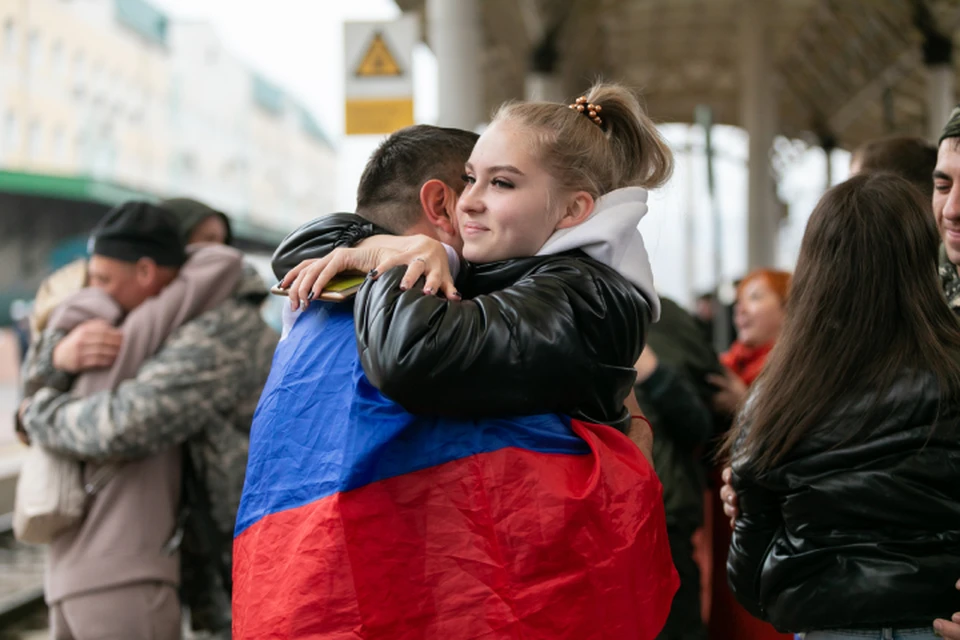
x=506, y=168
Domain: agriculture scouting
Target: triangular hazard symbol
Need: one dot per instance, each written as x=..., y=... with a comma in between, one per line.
x=378, y=61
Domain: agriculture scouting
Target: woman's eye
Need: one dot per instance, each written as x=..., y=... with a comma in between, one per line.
x=503, y=184
x=468, y=179
x=942, y=188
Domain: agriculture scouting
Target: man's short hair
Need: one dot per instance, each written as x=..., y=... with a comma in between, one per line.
x=389, y=191
x=908, y=157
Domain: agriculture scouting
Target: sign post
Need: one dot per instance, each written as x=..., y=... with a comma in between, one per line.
x=379, y=75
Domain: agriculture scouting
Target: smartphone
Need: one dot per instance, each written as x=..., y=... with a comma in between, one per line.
x=337, y=290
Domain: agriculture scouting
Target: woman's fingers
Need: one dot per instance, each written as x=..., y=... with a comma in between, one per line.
x=449, y=289
x=328, y=273
x=293, y=273
x=389, y=258
x=312, y=277
x=424, y=258
x=439, y=279
x=414, y=271
x=309, y=277
x=301, y=285
x=726, y=475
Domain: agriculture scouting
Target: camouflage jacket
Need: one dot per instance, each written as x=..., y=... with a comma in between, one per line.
x=950, y=281
x=200, y=389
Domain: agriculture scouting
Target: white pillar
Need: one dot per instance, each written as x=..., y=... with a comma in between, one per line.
x=758, y=117
x=455, y=39
x=940, y=98
x=544, y=87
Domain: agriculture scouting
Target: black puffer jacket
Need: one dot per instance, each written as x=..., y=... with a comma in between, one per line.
x=856, y=534
x=552, y=333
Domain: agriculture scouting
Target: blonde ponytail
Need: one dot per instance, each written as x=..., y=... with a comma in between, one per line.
x=624, y=150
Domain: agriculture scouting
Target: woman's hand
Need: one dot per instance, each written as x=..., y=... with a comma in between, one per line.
x=423, y=256
x=731, y=504
x=731, y=391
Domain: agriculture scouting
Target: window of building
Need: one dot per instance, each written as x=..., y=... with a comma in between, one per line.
x=56, y=57
x=33, y=49
x=34, y=140
x=11, y=133
x=188, y=162
x=9, y=37
x=60, y=144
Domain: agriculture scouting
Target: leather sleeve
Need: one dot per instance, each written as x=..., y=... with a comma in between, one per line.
x=561, y=338
x=754, y=532
x=319, y=237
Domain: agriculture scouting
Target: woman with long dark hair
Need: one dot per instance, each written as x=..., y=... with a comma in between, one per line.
x=846, y=457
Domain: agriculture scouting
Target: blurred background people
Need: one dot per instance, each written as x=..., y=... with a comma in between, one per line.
x=845, y=458
x=673, y=393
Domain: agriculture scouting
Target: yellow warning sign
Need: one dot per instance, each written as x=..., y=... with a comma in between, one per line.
x=378, y=61
x=375, y=116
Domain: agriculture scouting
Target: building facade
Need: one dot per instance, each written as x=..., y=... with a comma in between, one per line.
x=120, y=92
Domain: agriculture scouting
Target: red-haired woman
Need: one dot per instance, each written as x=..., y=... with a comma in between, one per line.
x=758, y=315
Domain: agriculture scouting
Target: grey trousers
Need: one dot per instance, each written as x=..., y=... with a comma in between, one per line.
x=143, y=611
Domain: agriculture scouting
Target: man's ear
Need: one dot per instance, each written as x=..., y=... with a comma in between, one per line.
x=579, y=207
x=146, y=271
x=439, y=201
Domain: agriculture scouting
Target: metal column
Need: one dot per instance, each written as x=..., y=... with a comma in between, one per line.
x=455, y=39
x=940, y=98
x=758, y=117
x=937, y=49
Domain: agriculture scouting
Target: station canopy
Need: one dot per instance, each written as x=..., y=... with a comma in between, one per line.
x=844, y=70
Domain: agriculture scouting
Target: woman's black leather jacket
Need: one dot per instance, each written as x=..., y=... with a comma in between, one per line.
x=859, y=533
x=544, y=334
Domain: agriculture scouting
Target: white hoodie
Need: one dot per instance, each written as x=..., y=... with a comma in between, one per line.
x=610, y=236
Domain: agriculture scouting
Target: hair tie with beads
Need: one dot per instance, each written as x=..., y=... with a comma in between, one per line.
x=590, y=110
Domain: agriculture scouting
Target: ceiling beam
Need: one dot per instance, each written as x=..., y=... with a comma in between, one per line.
x=872, y=92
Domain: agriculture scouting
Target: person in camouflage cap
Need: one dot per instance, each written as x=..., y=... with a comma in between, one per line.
x=946, y=210
x=946, y=207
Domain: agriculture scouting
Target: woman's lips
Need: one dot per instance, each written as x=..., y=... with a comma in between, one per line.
x=471, y=228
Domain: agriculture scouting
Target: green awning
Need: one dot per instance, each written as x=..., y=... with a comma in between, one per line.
x=86, y=189
x=82, y=189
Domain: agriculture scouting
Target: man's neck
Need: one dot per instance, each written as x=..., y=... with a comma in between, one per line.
x=421, y=228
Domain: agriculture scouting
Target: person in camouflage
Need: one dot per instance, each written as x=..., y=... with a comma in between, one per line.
x=946, y=211
x=200, y=390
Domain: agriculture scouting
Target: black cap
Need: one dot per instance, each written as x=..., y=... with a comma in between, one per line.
x=137, y=230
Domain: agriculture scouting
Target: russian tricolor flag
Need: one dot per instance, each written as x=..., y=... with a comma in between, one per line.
x=359, y=520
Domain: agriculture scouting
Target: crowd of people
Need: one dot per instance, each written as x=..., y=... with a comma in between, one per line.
x=506, y=432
